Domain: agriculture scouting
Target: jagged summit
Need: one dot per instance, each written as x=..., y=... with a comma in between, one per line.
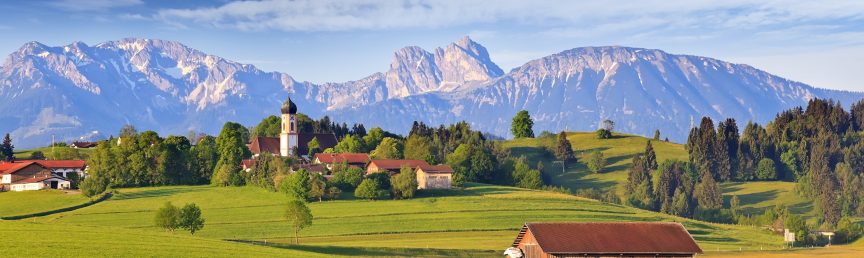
x=72, y=90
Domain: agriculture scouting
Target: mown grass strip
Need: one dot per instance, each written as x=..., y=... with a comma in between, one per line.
x=101, y=198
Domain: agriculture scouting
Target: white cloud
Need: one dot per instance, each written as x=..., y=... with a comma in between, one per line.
x=334, y=15
x=94, y=5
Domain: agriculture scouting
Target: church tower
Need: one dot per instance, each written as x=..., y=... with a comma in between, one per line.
x=288, y=136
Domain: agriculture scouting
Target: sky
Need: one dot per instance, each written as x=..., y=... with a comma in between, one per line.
x=819, y=43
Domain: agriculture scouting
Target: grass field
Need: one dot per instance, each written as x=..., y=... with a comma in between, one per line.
x=618, y=152
x=480, y=220
x=755, y=196
x=25, y=154
x=28, y=202
x=61, y=240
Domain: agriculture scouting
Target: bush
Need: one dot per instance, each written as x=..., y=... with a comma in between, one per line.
x=168, y=217
x=369, y=189
x=596, y=162
x=766, y=170
x=603, y=134
x=404, y=184
x=36, y=155
x=347, y=179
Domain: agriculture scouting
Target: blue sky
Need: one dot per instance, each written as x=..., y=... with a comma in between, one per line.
x=817, y=42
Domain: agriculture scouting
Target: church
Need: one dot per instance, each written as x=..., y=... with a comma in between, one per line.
x=289, y=138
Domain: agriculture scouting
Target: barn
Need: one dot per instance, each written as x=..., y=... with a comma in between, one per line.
x=603, y=239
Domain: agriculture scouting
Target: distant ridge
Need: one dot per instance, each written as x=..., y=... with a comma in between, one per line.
x=85, y=92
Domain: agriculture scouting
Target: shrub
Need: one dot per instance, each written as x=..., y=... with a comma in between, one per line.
x=766, y=170
x=596, y=162
x=603, y=134
x=168, y=217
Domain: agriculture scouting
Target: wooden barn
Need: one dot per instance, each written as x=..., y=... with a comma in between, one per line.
x=603, y=239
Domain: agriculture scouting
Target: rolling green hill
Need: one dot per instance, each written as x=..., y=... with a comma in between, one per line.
x=28, y=202
x=755, y=196
x=480, y=220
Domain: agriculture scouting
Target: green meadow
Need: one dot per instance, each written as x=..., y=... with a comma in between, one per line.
x=755, y=197
x=28, y=202
x=480, y=220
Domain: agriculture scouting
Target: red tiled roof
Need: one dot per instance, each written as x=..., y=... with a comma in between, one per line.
x=271, y=144
x=612, y=238
x=351, y=158
x=12, y=167
x=318, y=168
x=398, y=163
x=247, y=163
x=62, y=163
x=438, y=169
x=264, y=144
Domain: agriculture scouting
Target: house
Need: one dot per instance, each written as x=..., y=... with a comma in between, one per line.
x=311, y=168
x=84, y=145
x=352, y=159
x=29, y=175
x=603, y=239
x=290, y=138
x=434, y=177
x=393, y=165
x=63, y=168
x=247, y=164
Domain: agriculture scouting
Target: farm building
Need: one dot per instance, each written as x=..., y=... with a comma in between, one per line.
x=84, y=145
x=434, y=177
x=393, y=166
x=353, y=159
x=603, y=239
x=290, y=138
x=29, y=175
x=65, y=167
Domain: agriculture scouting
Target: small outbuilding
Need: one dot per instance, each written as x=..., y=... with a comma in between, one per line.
x=434, y=177
x=603, y=239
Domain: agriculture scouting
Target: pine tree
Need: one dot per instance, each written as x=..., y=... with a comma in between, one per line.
x=639, y=186
x=657, y=135
x=708, y=193
x=7, y=149
x=523, y=125
x=650, y=156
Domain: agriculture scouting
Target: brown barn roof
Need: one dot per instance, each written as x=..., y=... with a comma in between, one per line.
x=398, y=163
x=317, y=168
x=612, y=238
x=35, y=179
x=439, y=169
x=12, y=167
x=247, y=163
x=62, y=163
x=271, y=144
x=264, y=144
x=351, y=158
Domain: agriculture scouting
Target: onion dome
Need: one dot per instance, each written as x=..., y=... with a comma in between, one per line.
x=288, y=107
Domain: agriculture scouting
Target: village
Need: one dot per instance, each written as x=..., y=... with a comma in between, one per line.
x=536, y=239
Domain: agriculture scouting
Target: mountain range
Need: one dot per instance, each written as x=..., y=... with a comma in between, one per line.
x=81, y=92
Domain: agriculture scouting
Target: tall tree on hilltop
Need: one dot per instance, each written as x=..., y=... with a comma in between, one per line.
x=232, y=149
x=522, y=126
x=7, y=149
x=564, y=151
x=727, y=149
x=701, y=145
x=657, y=135
x=650, y=157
